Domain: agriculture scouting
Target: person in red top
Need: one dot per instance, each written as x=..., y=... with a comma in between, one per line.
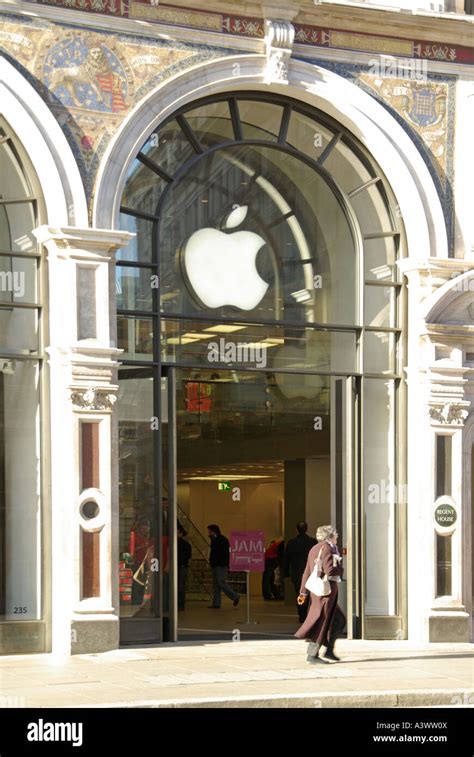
x=269, y=589
x=141, y=549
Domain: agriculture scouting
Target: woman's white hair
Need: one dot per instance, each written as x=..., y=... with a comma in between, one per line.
x=325, y=532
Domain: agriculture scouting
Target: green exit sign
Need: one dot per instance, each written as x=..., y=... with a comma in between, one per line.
x=224, y=486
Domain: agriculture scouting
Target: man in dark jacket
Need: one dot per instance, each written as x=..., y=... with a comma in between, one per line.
x=296, y=555
x=219, y=560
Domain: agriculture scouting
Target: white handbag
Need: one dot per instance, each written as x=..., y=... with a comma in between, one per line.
x=316, y=585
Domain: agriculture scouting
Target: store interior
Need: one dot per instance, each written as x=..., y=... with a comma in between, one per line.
x=251, y=456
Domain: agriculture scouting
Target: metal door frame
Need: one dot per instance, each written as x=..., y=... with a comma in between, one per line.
x=345, y=496
x=164, y=627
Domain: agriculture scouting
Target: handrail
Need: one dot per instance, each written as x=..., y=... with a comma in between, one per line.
x=184, y=516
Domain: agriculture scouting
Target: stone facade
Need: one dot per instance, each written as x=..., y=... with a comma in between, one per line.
x=90, y=79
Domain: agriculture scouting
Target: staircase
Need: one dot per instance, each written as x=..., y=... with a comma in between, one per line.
x=199, y=584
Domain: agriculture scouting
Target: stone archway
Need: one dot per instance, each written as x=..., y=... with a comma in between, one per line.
x=48, y=149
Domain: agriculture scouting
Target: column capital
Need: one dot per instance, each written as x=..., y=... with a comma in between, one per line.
x=438, y=268
x=74, y=242
x=448, y=413
x=94, y=398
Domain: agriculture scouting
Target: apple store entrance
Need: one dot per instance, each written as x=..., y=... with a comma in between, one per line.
x=248, y=451
x=259, y=313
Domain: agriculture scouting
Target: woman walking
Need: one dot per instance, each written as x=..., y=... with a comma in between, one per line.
x=325, y=620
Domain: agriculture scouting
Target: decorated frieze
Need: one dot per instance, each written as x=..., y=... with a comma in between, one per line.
x=305, y=34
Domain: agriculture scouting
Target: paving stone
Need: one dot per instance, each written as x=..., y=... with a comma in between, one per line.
x=380, y=673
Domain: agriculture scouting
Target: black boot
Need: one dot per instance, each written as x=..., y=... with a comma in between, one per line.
x=330, y=655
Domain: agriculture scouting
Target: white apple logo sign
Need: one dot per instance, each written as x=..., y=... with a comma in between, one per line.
x=221, y=267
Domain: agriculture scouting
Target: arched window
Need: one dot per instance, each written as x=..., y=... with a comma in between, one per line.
x=261, y=217
x=20, y=352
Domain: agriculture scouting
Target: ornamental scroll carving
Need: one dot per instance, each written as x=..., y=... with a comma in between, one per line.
x=449, y=414
x=279, y=39
x=93, y=399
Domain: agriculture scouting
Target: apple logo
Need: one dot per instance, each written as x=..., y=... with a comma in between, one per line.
x=220, y=267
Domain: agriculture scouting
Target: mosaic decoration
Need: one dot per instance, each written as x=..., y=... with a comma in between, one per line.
x=85, y=73
x=423, y=105
x=305, y=34
x=91, y=79
x=426, y=111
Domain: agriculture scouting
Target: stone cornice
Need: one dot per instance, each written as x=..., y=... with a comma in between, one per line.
x=71, y=242
x=441, y=385
x=93, y=351
x=72, y=237
x=440, y=267
x=87, y=362
x=431, y=275
x=449, y=331
x=446, y=373
x=451, y=30
x=333, y=28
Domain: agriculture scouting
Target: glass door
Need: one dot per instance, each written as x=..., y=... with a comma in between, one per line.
x=147, y=486
x=249, y=450
x=170, y=502
x=141, y=544
x=344, y=499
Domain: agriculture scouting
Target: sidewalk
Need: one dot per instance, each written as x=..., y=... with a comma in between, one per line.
x=242, y=674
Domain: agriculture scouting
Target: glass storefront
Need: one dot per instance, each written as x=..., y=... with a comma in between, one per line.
x=20, y=374
x=263, y=270
x=137, y=479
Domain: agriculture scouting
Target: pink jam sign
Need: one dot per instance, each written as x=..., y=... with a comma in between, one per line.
x=247, y=551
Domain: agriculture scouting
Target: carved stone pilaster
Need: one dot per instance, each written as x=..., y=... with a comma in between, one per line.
x=279, y=39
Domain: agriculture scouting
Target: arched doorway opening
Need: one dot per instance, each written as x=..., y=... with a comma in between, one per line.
x=21, y=290
x=225, y=356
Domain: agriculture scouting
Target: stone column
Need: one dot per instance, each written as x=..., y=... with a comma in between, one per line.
x=82, y=387
x=448, y=619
